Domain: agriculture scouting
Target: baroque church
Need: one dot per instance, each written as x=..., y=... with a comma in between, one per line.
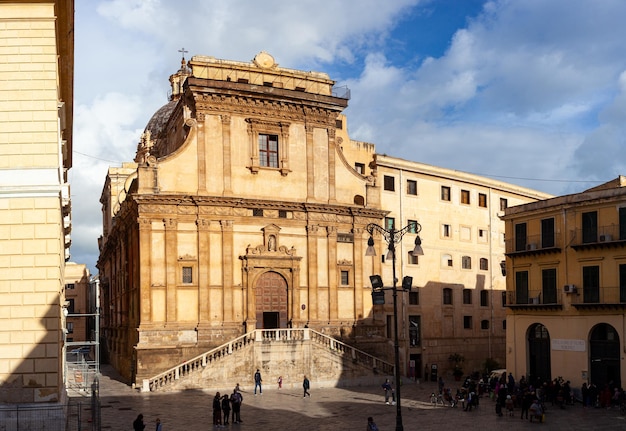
x=246, y=209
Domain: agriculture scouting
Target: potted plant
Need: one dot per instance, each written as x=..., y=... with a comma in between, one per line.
x=457, y=360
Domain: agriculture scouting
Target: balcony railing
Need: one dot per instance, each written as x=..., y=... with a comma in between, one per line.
x=602, y=235
x=603, y=296
x=534, y=243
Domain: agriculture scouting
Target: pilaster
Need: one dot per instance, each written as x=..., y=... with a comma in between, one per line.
x=171, y=259
x=204, y=255
x=333, y=299
x=145, y=229
x=226, y=148
x=310, y=164
x=201, y=144
x=312, y=258
x=227, y=273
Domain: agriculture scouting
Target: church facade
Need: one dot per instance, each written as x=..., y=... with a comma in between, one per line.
x=247, y=207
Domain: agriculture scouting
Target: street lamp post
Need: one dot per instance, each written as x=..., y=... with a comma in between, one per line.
x=392, y=237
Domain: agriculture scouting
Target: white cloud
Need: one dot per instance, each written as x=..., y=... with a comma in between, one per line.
x=527, y=89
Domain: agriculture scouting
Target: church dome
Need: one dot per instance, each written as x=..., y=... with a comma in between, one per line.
x=160, y=118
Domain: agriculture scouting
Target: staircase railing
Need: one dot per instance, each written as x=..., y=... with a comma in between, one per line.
x=264, y=335
x=357, y=355
x=197, y=363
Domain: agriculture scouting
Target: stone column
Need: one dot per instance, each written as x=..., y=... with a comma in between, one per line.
x=358, y=255
x=145, y=229
x=332, y=147
x=310, y=164
x=226, y=148
x=333, y=299
x=204, y=259
x=312, y=235
x=171, y=261
x=227, y=271
x=201, y=150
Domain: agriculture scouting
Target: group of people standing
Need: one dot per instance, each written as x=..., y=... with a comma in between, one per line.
x=224, y=405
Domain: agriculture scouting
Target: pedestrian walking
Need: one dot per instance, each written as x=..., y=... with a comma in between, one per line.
x=138, y=424
x=257, y=381
x=389, y=392
x=280, y=382
x=159, y=427
x=306, y=385
x=371, y=425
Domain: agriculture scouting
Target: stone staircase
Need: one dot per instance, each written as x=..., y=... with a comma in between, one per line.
x=290, y=353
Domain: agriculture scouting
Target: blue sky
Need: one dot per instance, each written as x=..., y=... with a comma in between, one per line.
x=531, y=92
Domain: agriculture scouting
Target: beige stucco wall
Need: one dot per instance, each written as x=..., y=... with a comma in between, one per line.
x=32, y=240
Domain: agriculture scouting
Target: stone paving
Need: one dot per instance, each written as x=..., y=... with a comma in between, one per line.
x=327, y=409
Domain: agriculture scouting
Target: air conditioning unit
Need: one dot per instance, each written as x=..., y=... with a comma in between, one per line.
x=569, y=288
x=531, y=246
x=606, y=238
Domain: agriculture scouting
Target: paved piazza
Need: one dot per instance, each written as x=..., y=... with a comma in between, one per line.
x=327, y=410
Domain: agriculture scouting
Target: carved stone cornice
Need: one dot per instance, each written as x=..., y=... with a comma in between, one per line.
x=219, y=205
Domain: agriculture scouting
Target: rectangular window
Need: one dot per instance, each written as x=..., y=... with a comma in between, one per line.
x=504, y=204
x=390, y=223
x=520, y=237
x=466, y=262
x=465, y=197
x=591, y=284
x=445, y=193
x=282, y=214
x=467, y=296
x=389, y=183
x=521, y=287
x=504, y=298
x=412, y=226
x=268, y=150
x=548, y=286
x=484, y=324
x=622, y=223
x=447, y=296
x=411, y=187
x=414, y=298
x=345, y=278
x=70, y=286
x=590, y=227
x=622, y=283
x=484, y=298
x=484, y=264
x=70, y=327
x=187, y=274
x=467, y=322
x=414, y=330
x=445, y=230
x=547, y=233
x=360, y=168
x=257, y=212
x=338, y=124
x=482, y=200
x=70, y=307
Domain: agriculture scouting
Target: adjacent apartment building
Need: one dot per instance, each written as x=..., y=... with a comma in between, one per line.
x=247, y=207
x=37, y=46
x=566, y=289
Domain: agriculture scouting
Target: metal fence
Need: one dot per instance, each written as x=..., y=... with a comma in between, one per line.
x=79, y=414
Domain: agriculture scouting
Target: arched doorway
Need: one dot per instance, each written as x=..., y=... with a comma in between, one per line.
x=604, y=355
x=272, y=303
x=539, y=353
